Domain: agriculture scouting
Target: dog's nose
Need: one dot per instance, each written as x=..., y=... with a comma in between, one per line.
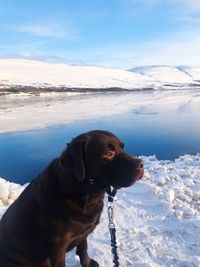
x=139, y=164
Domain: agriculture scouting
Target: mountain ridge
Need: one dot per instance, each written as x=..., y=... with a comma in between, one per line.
x=39, y=74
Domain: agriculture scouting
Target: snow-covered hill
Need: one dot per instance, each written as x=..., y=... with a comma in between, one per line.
x=170, y=74
x=193, y=72
x=21, y=72
x=166, y=74
x=38, y=73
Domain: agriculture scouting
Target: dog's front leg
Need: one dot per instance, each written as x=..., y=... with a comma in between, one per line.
x=85, y=260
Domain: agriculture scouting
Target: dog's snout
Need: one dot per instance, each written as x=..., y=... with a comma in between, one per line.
x=140, y=165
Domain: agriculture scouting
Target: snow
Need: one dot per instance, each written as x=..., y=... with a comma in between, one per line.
x=157, y=219
x=38, y=73
x=193, y=72
x=21, y=72
x=9, y=192
x=165, y=74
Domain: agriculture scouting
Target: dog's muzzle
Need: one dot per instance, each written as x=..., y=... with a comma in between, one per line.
x=125, y=170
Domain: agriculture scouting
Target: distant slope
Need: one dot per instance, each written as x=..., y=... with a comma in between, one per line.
x=37, y=74
x=165, y=74
x=193, y=72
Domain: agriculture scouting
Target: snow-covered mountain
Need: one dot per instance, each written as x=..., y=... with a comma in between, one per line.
x=21, y=72
x=193, y=72
x=170, y=74
x=38, y=73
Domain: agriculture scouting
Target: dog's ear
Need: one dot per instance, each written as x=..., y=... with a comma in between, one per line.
x=77, y=150
x=72, y=157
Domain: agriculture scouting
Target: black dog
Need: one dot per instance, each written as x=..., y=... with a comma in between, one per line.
x=62, y=206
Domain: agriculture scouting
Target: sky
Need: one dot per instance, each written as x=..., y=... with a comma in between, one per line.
x=109, y=33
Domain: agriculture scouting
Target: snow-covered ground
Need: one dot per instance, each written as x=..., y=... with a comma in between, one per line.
x=21, y=72
x=158, y=219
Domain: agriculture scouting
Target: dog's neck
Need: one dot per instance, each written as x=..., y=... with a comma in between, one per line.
x=70, y=181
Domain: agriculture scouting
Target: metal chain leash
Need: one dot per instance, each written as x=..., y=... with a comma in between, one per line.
x=111, y=225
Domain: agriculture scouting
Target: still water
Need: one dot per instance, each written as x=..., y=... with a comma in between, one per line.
x=164, y=134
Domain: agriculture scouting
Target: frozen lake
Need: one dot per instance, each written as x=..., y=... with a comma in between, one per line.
x=166, y=124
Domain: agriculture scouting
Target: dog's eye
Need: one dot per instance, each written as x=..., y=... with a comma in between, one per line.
x=122, y=145
x=109, y=154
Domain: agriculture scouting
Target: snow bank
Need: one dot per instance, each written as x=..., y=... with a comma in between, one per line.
x=157, y=219
x=178, y=182
x=9, y=192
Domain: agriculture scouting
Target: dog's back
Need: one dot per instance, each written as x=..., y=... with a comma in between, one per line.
x=41, y=222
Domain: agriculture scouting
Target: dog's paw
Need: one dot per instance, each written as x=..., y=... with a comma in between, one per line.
x=92, y=263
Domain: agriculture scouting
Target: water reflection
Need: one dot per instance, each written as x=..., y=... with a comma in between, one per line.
x=167, y=131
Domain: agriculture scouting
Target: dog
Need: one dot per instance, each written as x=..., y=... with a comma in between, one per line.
x=62, y=206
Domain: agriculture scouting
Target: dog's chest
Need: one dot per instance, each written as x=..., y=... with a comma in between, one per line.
x=84, y=220
x=88, y=211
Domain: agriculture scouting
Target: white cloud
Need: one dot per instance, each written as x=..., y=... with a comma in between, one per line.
x=188, y=19
x=193, y=4
x=172, y=53
x=44, y=29
x=39, y=30
x=183, y=50
x=190, y=4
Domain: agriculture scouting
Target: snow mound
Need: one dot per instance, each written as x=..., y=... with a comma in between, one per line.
x=9, y=192
x=177, y=182
x=157, y=219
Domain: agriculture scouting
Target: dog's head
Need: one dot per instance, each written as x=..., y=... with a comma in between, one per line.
x=97, y=160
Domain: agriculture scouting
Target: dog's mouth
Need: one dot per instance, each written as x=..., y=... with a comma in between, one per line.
x=125, y=171
x=124, y=183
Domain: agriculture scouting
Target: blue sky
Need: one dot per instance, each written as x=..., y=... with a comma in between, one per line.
x=112, y=33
